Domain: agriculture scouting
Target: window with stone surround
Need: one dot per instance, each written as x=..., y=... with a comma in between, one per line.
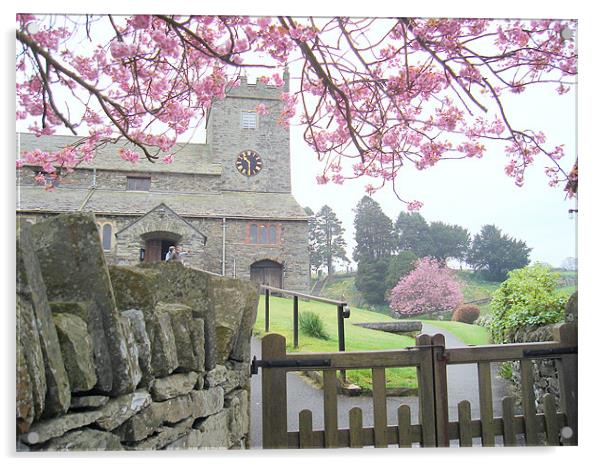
x=105, y=230
x=138, y=183
x=263, y=233
x=248, y=120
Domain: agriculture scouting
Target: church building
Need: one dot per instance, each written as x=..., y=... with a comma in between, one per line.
x=227, y=203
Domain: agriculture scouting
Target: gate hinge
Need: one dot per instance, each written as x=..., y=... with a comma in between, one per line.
x=288, y=363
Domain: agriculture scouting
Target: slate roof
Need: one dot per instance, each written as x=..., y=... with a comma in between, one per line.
x=230, y=204
x=189, y=158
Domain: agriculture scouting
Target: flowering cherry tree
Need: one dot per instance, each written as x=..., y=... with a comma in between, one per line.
x=430, y=288
x=373, y=95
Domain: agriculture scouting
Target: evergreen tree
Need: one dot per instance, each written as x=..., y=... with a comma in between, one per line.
x=373, y=232
x=399, y=266
x=494, y=254
x=315, y=260
x=374, y=244
x=413, y=234
x=448, y=241
x=329, y=242
x=370, y=280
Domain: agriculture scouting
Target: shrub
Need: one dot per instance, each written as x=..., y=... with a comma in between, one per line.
x=311, y=324
x=466, y=313
x=429, y=289
x=527, y=298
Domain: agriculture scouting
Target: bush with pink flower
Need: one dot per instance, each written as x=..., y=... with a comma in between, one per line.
x=429, y=289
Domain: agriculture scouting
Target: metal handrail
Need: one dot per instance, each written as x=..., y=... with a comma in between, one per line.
x=343, y=312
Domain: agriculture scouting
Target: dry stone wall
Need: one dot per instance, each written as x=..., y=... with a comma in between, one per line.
x=545, y=372
x=126, y=358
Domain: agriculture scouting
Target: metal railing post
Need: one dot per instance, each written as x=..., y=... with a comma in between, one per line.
x=296, y=321
x=267, y=310
x=341, y=334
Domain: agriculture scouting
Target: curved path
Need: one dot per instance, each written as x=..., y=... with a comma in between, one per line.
x=461, y=382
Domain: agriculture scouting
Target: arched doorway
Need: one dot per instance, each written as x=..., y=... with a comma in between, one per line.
x=267, y=272
x=157, y=243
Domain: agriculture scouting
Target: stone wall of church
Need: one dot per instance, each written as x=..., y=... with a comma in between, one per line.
x=270, y=139
x=126, y=357
x=291, y=250
x=117, y=180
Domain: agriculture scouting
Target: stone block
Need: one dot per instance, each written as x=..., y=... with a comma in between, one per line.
x=32, y=289
x=162, y=341
x=132, y=349
x=189, y=343
x=211, y=433
x=89, y=313
x=134, y=287
x=89, y=401
x=85, y=440
x=76, y=348
x=216, y=376
x=237, y=376
x=118, y=410
x=237, y=405
x=45, y=430
x=30, y=361
x=234, y=303
x=173, y=385
x=163, y=436
x=139, y=426
x=138, y=328
x=24, y=402
x=206, y=402
x=148, y=421
x=74, y=268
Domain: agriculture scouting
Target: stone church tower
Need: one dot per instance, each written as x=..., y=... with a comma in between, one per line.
x=227, y=203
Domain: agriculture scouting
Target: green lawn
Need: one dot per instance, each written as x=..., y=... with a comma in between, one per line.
x=469, y=334
x=356, y=338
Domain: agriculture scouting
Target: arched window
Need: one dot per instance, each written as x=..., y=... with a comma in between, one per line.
x=263, y=234
x=272, y=234
x=107, y=231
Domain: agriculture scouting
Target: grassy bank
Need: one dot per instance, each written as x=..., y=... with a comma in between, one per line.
x=356, y=338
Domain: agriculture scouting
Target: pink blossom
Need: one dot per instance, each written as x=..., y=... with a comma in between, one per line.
x=415, y=205
x=140, y=21
x=128, y=155
x=261, y=109
x=430, y=288
x=168, y=159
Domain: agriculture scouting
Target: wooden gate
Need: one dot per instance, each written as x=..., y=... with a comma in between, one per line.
x=557, y=425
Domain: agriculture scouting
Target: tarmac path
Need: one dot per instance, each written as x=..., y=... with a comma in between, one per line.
x=461, y=382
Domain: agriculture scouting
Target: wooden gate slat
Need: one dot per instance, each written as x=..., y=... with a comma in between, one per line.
x=330, y=409
x=551, y=418
x=440, y=381
x=465, y=423
x=528, y=396
x=508, y=420
x=486, y=404
x=273, y=393
x=426, y=392
x=356, y=424
x=379, y=402
x=404, y=427
x=306, y=429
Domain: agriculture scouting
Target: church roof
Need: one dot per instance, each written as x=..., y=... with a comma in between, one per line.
x=188, y=158
x=116, y=202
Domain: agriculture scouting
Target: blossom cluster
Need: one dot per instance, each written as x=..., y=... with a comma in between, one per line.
x=385, y=92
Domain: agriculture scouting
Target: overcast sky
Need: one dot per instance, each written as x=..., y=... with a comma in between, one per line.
x=471, y=193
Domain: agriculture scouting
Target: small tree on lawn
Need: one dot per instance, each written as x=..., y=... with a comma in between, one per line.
x=429, y=289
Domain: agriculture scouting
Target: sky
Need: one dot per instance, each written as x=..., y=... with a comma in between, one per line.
x=472, y=192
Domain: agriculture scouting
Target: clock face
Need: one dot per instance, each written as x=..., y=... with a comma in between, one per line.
x=249, y=163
